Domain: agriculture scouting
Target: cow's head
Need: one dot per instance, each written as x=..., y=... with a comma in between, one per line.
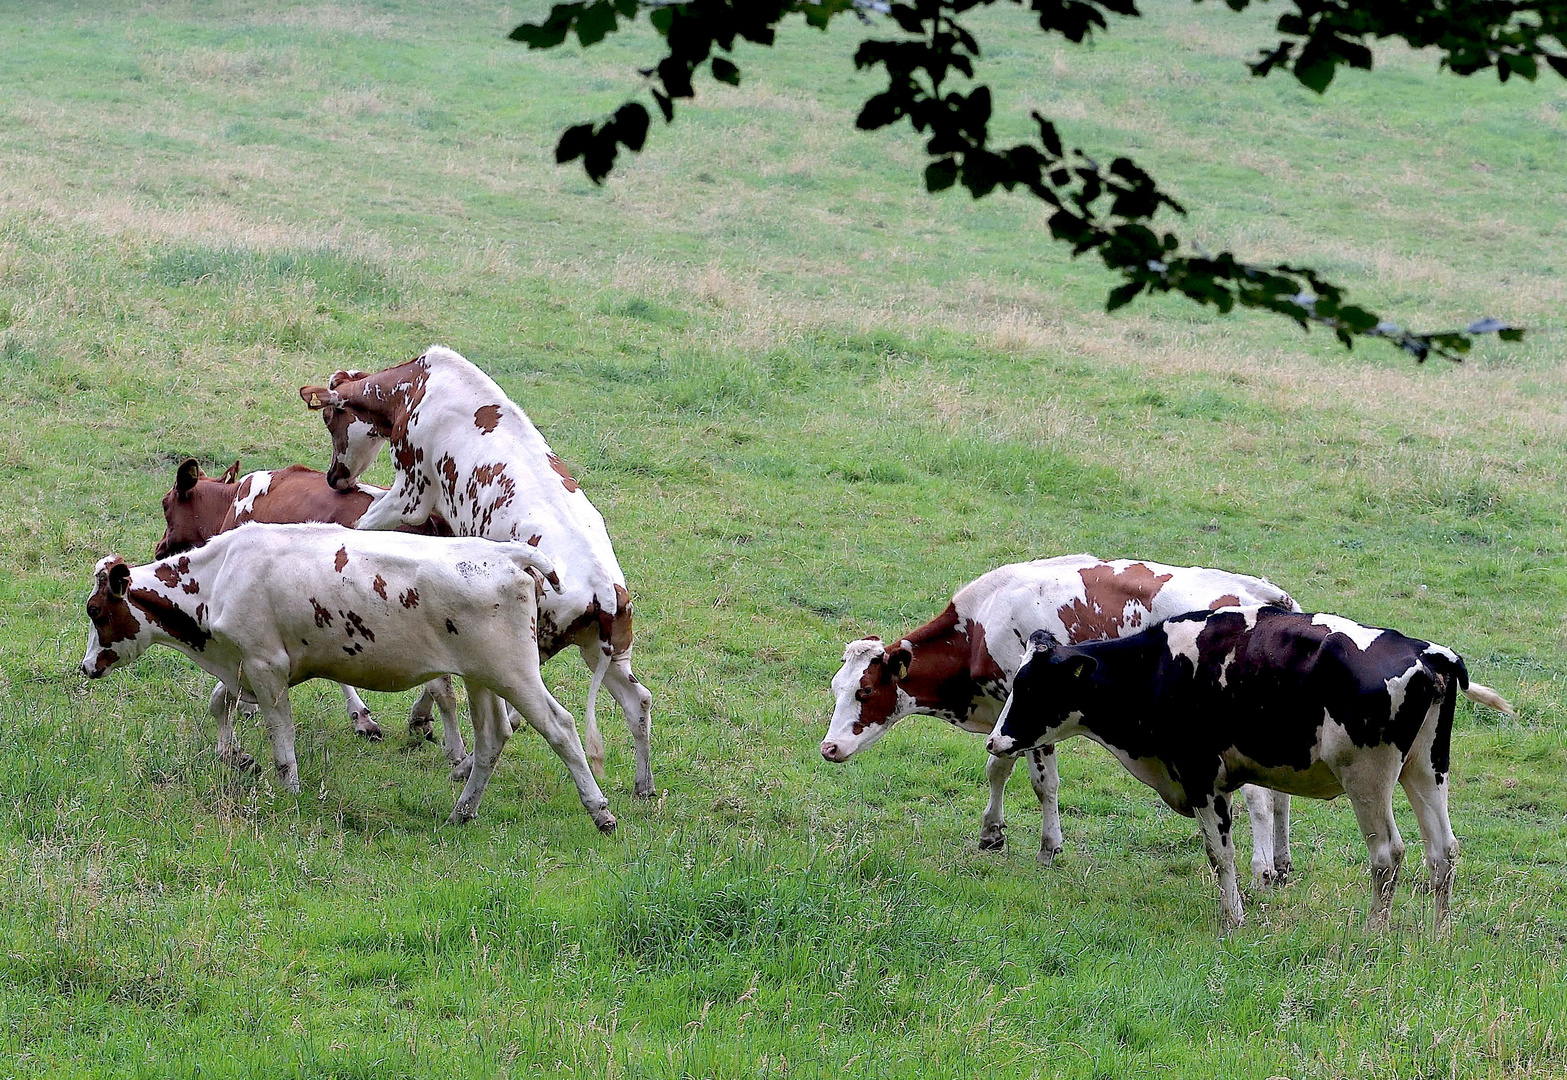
x=1049, y=694
x=867, y=699
x=355, y=414
x=194, y=508
x=116, y=635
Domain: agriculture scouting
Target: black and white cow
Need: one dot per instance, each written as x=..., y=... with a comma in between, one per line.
x=1314, y=705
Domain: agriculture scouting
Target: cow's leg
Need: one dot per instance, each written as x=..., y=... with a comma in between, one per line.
x=359, y=714
x=1259, y=808
x=221, y=704
x=270, y=685
x=1368, y=781
x=1046, y=778
x=1283, y=866
x=550, y=719
x=439, y=694
x=992, y=835
x=490, y=732
x=1214, y=818
x=1427, y=792
x=637, y=705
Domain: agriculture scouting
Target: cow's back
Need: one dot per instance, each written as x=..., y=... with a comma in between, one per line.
x=1081, y=598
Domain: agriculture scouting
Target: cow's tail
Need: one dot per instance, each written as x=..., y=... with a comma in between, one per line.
x=1451, y=666
x=535, y=559
x=594, y=743
x=1486, y=696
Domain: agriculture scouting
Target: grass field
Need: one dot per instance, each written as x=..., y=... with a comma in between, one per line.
x=811, y=401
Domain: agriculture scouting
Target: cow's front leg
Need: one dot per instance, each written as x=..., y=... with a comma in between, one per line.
x=992, y=835
x=221, y=705
x=1044, y=775
x=438, y=694
x=1213, y=815
x=270, y=686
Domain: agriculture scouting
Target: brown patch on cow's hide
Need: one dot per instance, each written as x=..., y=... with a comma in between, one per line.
x=379, y=585
x=167, y=574
x=1101, y=614
x=342, y=559
x=1228, y=600
x=620, y=625
x=565, y=474
x=533, y=541
x=115, y=621
x=352, y=622
x=446, y=465
x=175, y=621
x=323, y=616
x=451, y=628
x=409, y=599
x=487, y=417
x=106, y=660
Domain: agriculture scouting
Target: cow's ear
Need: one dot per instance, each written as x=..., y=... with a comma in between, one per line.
x=340, y=377
x=319, y=397
x=119, y=579
x=898, y=660
x=231, y=474
x=185, y=479
x=1041, y=641
x=1079, y=666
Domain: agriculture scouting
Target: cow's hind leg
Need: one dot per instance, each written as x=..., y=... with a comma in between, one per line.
x=1260, y=809
x=359, y=714
x=1283, y=865
x=550, y=719
x=992, y=833
x=1046, y=779
x=1426, y=787
x=1214, y=818
x=1368, y=781
x=637, y=704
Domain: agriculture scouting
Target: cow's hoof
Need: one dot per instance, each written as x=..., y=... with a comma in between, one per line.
x=461, y=770
x=458, y=817
x=1047, y=855
x=605, y=821
x=993, y=838
x=242, y=761
x=1282, y=869
x=367, y=728
x=422, y=727
x=645, y=791
x=1265, y=880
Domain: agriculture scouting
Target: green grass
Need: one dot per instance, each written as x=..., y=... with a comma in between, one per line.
x=810, y=401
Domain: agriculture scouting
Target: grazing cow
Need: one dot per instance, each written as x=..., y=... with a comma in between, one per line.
x=267, y=606
x=960, y=666
x=197, y=508
x=464, y=450
x=1314, y=705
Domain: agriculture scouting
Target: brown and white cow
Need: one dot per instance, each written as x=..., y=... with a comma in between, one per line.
x=960, y=665
x=1315, y=705
x=466, y=451
x=265, y=607
x=197, y=508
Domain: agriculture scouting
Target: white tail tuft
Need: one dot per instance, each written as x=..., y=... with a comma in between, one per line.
x=1486, y=696
x=594, y=742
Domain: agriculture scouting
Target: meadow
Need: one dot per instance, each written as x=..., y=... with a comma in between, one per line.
x=811, y=401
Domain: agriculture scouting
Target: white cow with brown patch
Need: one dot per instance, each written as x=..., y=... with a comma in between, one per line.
x=264, y=607
x=464, y=450
x=960, y=667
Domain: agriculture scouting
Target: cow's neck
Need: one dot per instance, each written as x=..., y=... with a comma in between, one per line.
x=941, y=680
x=169, y=599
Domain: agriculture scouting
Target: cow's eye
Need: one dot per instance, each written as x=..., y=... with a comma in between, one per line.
x=94, y=611
x=862, y=694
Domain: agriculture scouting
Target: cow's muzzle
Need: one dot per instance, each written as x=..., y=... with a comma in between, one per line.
x=337, y=477
x=833, y=752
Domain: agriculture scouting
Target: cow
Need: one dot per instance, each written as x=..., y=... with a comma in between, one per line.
x=1313, y=705
x=959, y=667
x=265, y=607
x=465, y=450
x=198, y=507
